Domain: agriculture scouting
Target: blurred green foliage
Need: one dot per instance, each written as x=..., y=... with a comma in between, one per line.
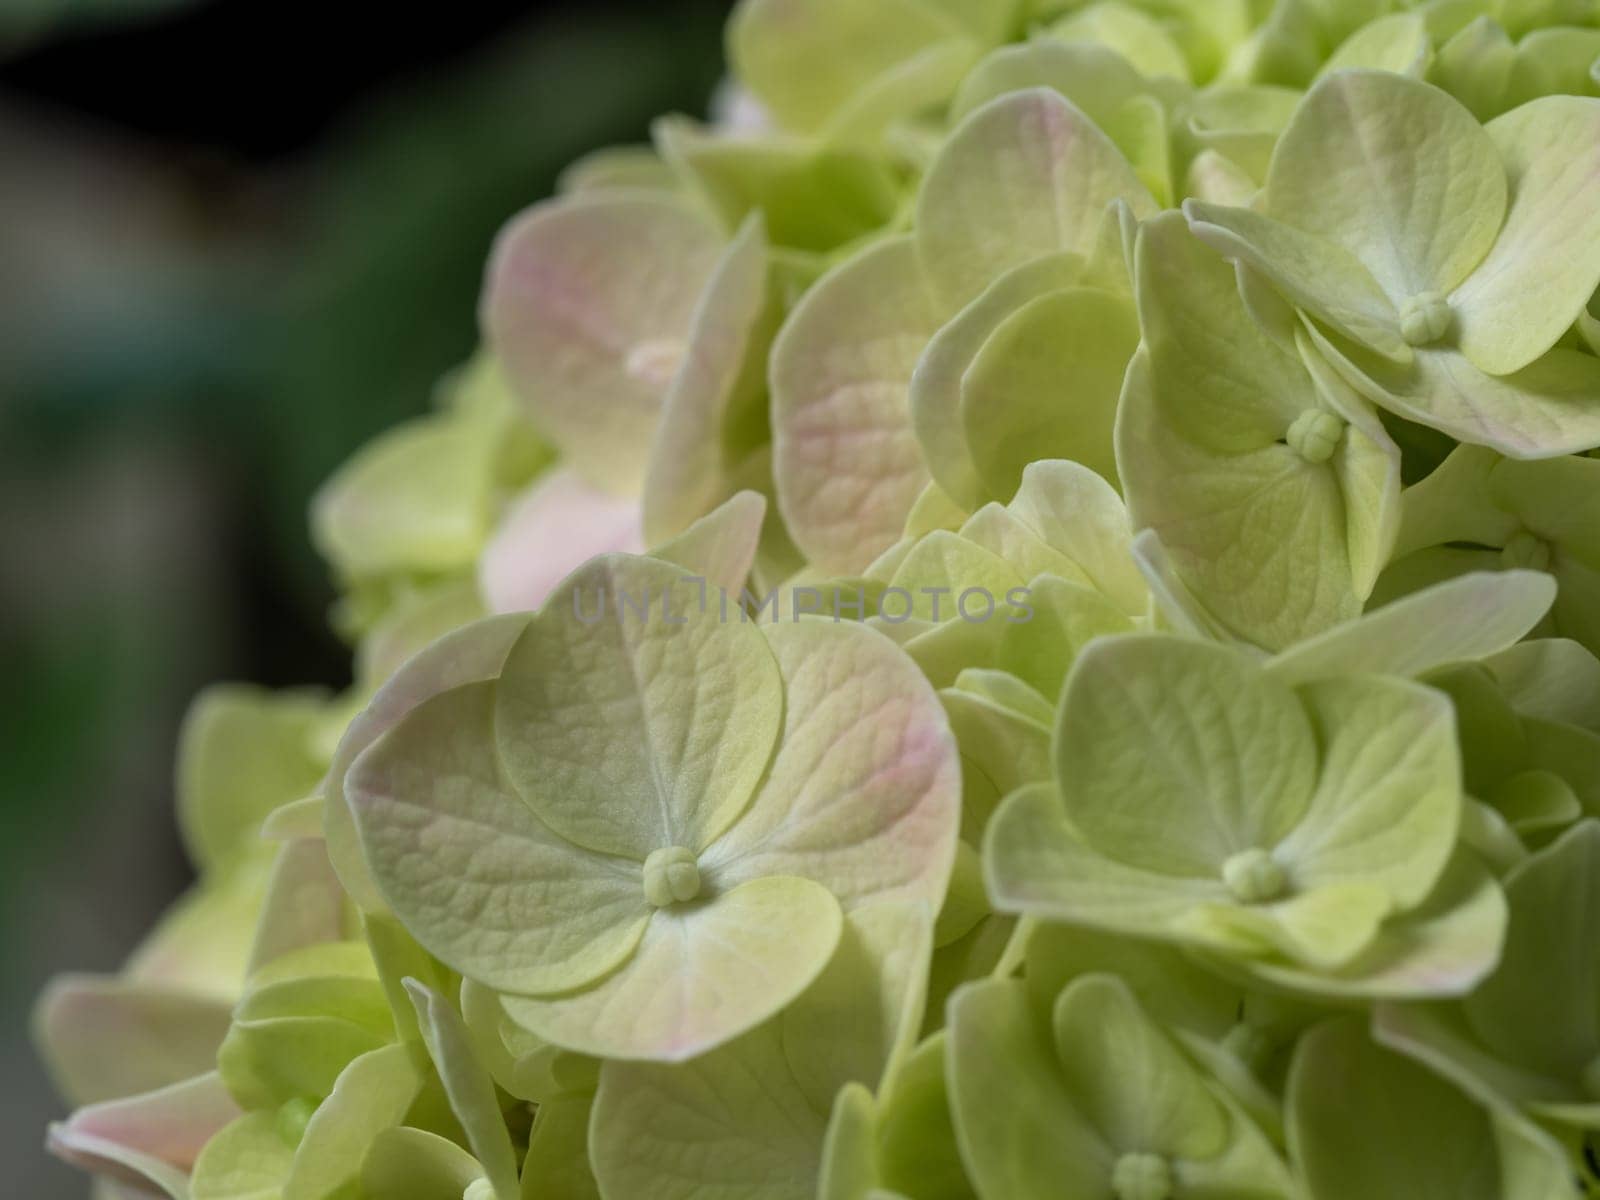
x=176, y=382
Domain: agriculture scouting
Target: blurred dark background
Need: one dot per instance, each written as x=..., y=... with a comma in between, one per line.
x=237, y=238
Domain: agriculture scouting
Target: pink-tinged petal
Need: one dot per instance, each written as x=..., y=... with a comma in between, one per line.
x=847, y=464
x=589, y=302
x=556, y=526
x=106, y=1037
x=472, y=653
x=864, y=794
x=305, y=904
x=150, y=1140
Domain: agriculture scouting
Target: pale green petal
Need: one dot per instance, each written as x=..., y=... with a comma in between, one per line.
x=966, y=902
x=936, y=409
x=478, y=879
x=468, y=655
x=627, y=167
x=1546, y=263
x=103, y=1037
x=1577, y=612
x=247, y=1160
x=1242, y=124
x=729, y=1125
x=1439, y=1037
x=1172, y=986
x=1398, y=42
x=1395, y=172
x=1554, y=927
x=712, y=413
x=814, y=196
x=1035, y=865
x=805, y=60
x=1455, y=504
x=917, y=1151
x=864, y=793
x=761, y=1101
x=396, y=956
x=1571, y=754
x=1444, y=948
x=414, y=619
x=721, y=547
x=1554, y=679
x=1558, y=501
x=1261, y=538
x=1025, y=175
x=1546, y=409
x=1388, y=799
x=291, y=1038
x=1093, y=76
x=467, y=1084
x=1462, y=620
x=999, y=531
x=558, y=1165
x=1366, y=1122
x=1555, y=61
x=1213, y=178
x=412, y=1164
x=1063, y=618
x=631, y=717
x=942, y=566
x=1175, y=755
x=1322, y=928
x=1476, y=66
x=920, y=83
x=1132, y=33
x=859, y=1019
x=296, y=820
x=304, y=905
x=1319, y=276
x=702, y=975
x=417, y=498
x=1020, y=1131
x=1078, y=514
x=373, y=1094
x=1223, y=383
x=1128, y=1079
x=589, y=302
x=1045, y=385
x=242, y=752
x=847, y=465
x=1006, y=747
x=951, y=647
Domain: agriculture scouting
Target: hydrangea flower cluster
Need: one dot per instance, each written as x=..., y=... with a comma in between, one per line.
x=1015, y=617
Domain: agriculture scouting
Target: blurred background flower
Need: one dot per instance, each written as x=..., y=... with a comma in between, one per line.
x=237, y=239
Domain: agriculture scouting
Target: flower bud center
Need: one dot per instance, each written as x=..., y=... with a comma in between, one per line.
x=1425, y=318
x=1526, y=550
x=1254, y=876
x=671, y=876
x=1142, y=1177
x=1315, y=435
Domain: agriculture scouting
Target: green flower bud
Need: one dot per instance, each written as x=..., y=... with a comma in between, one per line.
x=671, y=876
x=1315, y=435
x=1425, y=318
x=1254, y=876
